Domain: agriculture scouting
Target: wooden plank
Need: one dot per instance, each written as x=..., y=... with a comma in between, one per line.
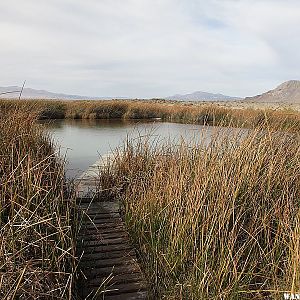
x=101, y=214
x=141, y=295
x=93, y=213
x=112, y=254
x=102, y=226
x=99, y=220
x=104, y=230
x=101, y=242
x=110, y=262
x=125, y=288
x=104, y=248
x=103, y=221
x=121, y=278
x=104, y=206
x=100, y=235
x=105, y=271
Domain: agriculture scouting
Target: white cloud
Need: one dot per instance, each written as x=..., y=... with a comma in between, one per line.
x=145, y=48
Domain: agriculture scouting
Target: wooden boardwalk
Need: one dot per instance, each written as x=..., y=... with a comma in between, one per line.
x=108, y=264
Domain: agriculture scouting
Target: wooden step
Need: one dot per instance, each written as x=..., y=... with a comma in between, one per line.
x=106, y=248
x=141, y=295
x=106, y=271
x=105, y=242
x=111, y=254
x=110, y=262
x=125, y=288
x=104, y=230
x=100, y=235
x=121, y=278
x=119, y=288
x=97, y=221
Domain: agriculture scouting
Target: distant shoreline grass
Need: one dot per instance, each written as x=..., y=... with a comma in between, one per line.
x=207, y=114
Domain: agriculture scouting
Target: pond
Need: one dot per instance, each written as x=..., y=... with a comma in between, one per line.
x=84, y=141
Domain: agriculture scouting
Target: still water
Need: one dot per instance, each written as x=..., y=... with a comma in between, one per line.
x=84, y=141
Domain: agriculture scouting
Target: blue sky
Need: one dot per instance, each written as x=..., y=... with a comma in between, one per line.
x=149, y=48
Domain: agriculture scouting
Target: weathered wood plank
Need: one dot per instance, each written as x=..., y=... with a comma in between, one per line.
x=122, y=278
x=140, y=295
x=100, y=235
x=102, y=248
x=111, y=262
x=103, y=221
x=105, y=255
x=105, y=271
x=121, y=288
x=125, y=288
x=102, y=206
x=104, y=230
x=128, y=296
x=102, y=226
x=101, y=214
x=104, y=242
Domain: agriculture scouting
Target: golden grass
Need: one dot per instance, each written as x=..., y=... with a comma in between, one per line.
x=217, y=220
x=37, y=216
x=211, y=114
x=209, y=221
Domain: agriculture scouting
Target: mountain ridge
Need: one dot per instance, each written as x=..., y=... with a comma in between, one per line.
x=30, y=93
x=201, y=96
x=286, y=92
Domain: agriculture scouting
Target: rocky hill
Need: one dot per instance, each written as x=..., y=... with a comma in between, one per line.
x=287, y=92
x=201, y=96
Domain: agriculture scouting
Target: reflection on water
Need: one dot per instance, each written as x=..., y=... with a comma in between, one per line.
x=83, y=141
x=90, y=123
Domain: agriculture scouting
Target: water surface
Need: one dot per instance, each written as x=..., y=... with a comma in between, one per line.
x=84, y=141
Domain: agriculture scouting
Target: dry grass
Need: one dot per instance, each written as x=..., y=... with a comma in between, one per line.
x=209, y=221
x=214, y=221
x=37, y=218
x=211, y=114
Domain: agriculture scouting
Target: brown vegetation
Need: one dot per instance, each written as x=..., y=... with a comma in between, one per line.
x=37, y=221
x=210, y=221
x=210, y=114
x=214, y=221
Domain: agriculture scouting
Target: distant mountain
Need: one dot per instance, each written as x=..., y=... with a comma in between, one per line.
x=28, y=93
x=287, y=92
x=202, y=96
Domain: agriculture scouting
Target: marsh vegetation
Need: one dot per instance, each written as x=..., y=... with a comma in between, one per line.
x=214, y=221
x=37, y=214
x=204, y=114
x=211, y=220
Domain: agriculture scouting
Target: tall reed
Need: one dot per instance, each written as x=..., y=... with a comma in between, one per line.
x=219, y=219
x=37, y=214
x=205, y=113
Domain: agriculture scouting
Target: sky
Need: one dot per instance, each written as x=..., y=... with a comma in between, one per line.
x=149, y=48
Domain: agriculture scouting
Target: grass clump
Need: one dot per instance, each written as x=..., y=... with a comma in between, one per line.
x=214, y=220
x=37, y=217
